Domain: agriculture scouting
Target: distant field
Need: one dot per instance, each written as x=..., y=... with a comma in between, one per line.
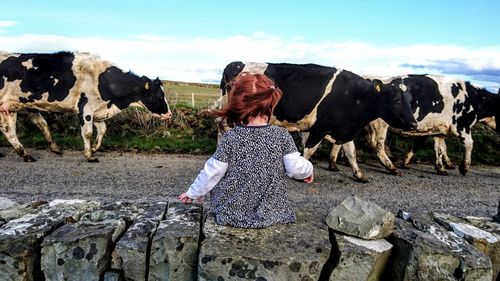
x=197, y=95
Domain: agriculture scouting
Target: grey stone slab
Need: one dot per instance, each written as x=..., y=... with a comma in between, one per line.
x=361, y=218
x=132, y=248
x=296, y=251
x=360, y=259
x=423, y=250
x=174, y=249
x=20, y=239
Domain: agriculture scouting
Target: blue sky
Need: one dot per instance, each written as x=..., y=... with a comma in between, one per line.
x=194, y=40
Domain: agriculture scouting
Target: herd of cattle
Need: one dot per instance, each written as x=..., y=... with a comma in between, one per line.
x=323, y=102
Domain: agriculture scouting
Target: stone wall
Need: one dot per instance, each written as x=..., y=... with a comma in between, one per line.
x=87, y=240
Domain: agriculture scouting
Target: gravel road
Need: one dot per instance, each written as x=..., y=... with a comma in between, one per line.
x=154, y=177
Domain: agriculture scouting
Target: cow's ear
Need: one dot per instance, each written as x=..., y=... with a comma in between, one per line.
x=146, y=86
x=377, y=84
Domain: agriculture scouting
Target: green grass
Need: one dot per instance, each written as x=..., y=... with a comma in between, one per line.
x=177, y=142
x=204, y=95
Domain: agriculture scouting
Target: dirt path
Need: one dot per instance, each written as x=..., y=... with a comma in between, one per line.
x=154, y=177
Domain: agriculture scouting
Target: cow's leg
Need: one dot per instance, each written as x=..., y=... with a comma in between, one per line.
x=304, y=137
x=376, y=135
x=101, y=131
x=438, y=165
x=39, y=121
x=417, y=143
x=86, y=127
x=448, y=164
x=468, y=144
x=312, y=143
x=333, y=157
x=8, y=128
x=350, y=152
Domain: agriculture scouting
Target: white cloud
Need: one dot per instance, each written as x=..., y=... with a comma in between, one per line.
x=202, y=59
x=6, y=23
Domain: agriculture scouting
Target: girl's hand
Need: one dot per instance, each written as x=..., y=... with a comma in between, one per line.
x=309, y=179
x=184, y=198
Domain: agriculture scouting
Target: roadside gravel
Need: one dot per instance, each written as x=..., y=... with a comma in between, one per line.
x=158, y=177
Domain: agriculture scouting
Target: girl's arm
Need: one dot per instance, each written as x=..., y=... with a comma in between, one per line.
x=297, y=167
x=212, y=173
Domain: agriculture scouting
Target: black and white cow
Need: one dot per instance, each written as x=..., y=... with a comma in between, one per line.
x=328, y=101
x=442, y=106
x=80, y=83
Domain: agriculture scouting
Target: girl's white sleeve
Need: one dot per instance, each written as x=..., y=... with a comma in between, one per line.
x=212, y=173
x=296, y=166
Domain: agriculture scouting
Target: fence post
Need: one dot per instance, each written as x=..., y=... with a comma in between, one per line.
x=192, y=99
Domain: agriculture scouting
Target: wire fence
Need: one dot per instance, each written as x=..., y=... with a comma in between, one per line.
x=195, y=100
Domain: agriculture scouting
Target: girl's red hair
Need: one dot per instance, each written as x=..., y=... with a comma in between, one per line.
x=250, y=95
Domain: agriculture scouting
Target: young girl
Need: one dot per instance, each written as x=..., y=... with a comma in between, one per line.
x=246, y=174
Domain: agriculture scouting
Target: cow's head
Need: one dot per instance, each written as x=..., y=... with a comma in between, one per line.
x=395, y=105
x=153, y=98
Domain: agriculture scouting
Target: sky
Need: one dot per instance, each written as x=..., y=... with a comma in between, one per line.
x=193, y=41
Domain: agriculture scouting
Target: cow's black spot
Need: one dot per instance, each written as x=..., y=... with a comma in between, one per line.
x=78, y=253
x=81, y=105
x=51, y=73
x=302, y=87
x=425, y=95
x=455, y=89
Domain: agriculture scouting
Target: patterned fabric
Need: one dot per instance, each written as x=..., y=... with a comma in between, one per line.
x=252, y=193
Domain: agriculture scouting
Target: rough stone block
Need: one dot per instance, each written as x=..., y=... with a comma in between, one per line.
x=423, y=250
x=20, y=238
x=481, y=238
x=362, y=219
x=296, y=251
x=82, y=251
x=360, y=259
x=174, y=249
x=77, y=252
x=132, y=248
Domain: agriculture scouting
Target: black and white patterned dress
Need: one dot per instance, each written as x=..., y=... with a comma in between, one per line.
x=253, y=191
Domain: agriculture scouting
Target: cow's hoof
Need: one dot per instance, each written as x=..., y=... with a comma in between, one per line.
x=441, y=172
x=333, y=168
x=362, y=179
x=462, y=169
x=93, y=160
x=394, y=172
x=56, y=150
x=450, y=166
x=28, y=158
